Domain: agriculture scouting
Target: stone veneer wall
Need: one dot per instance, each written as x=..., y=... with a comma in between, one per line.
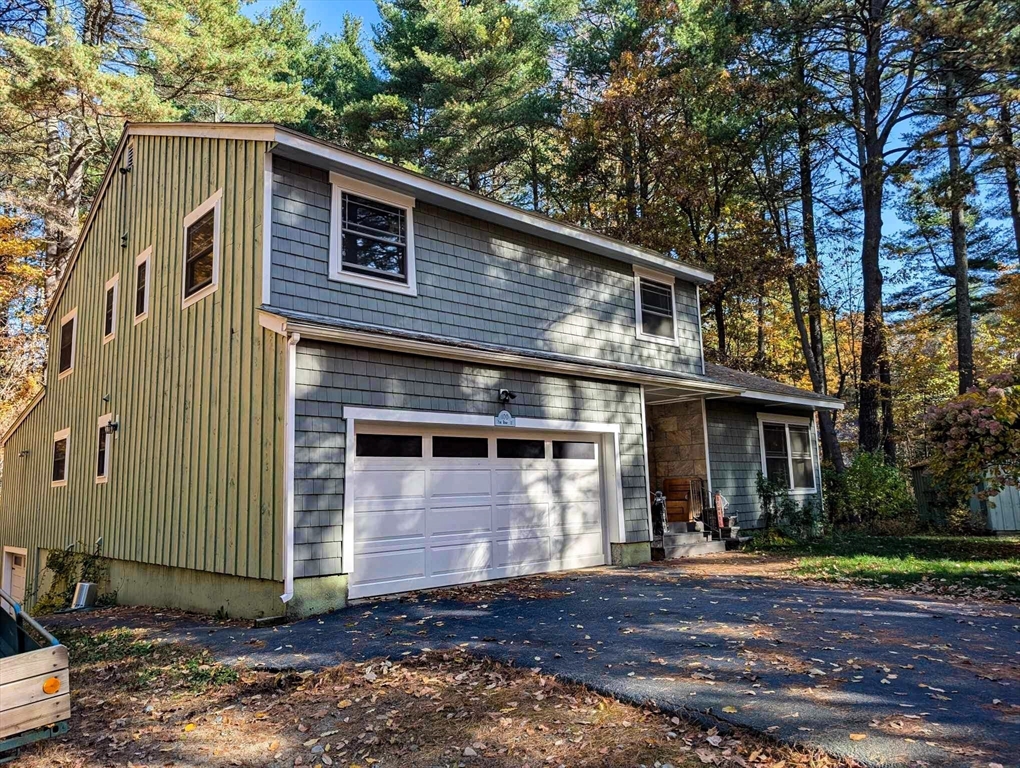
x=676, y=442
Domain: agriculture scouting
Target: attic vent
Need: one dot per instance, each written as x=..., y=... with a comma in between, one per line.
x=129, y=156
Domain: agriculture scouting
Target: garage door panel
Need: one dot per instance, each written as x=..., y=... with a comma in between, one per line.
x=446, y=483
x=530, y=483
x=566, y=546
x=377, y=525
x=519, y=551
x=389, y=483
x=391, y=566
x=447, y=520
x=461, y=558
x=516, y=516
x=575, y=484
x=577, y=514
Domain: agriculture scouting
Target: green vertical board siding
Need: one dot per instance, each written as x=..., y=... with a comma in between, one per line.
x=196, y=468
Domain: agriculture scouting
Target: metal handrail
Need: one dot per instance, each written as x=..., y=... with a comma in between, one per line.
x=21, y=618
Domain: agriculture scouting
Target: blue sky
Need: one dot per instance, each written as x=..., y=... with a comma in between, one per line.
x=328, y=14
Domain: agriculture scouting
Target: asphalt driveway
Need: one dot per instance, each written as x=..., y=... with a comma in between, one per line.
x=887, y=680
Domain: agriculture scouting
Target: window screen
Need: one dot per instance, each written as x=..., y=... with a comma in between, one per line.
x=509, y=448
x=460, y=447
x=374, y=237
x=392, y=446
x=656, y=309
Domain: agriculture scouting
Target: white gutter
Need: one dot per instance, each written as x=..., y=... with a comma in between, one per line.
x=288, y=469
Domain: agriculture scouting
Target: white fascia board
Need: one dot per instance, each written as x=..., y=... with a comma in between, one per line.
x=807, y=402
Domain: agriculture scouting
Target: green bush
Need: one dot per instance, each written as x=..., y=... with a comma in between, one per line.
x=780, y=511
x=870, y=494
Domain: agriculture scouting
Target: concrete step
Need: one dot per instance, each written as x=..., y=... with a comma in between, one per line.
x=705, y=547
x=676, y=539
x=695, y=527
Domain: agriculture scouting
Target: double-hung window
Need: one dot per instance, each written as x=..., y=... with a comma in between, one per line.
x=202, y=250
x=61, y=451
x=656, y=306
x=786, y=453
x=110, y=308
x=68, y=341
x=372, y=237
x=103, y=448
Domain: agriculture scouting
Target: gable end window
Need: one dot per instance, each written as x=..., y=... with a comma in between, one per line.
x=68, y=332
x=786, y=454
x=110, y=309
x=103, y=443
x=61, y=451
x=656, y=307
x=202, y=250
x=371, y=237
x=142, y=284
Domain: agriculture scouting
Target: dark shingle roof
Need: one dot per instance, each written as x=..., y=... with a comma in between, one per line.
x=720, y=374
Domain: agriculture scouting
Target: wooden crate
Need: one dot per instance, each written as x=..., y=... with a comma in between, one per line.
x=24, y=705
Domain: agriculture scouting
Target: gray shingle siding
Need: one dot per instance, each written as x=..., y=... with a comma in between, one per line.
x=735, y=456
x=476, y=282
x=330, y=376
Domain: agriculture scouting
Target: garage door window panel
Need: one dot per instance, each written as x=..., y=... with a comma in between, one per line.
x=512, y=448
x=389, y=446
x=454, y=447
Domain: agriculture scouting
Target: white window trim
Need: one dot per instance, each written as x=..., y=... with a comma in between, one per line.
x=786, y=421
x=114, y=283
x=105, y=419
x=144, y=256
x=72, y=315
x=61, y=435
x=662, y=279
x=215, y=203
x=341, y=184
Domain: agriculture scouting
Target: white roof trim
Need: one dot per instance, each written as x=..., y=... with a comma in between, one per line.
x=808, y=402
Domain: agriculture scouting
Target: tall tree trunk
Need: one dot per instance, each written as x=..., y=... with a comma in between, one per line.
x=830, y=440
x=1009, y=165
x=816, y=364
x=957, y=192
x=720, y=327
x=873, y=395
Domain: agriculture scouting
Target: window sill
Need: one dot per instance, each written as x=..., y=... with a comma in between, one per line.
x=199, y=295
x=803, y=491
x=379, y=283
x=108, y=339
x=141, y=317
x=65, y=374
x=664, y=340
x=58, y=483
x=101, y=480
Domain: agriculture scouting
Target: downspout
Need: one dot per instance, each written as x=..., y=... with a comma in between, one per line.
x=288, y=469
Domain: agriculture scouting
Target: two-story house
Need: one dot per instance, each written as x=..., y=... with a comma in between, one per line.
x=280, y=369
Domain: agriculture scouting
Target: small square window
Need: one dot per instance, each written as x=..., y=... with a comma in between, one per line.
x=512, y=448
x=371, y=237
x=61, y=450
x=68, y=327
x=110, y=309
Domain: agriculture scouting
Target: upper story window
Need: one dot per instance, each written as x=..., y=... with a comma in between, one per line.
x=371, y=237
x=142, y=284
x=202, y=250
x=103, y=448
x=786, y=455
x=68, y=341
x=656, y=306
x=61, y=453
x=110, y=309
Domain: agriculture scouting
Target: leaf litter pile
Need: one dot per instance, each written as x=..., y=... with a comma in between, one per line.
x=138, y=703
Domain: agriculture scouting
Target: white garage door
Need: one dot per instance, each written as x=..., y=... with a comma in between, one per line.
x=434, y=507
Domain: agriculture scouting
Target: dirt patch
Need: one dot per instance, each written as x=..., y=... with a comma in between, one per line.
x=523, y=588
x=142, y=704
x=730, y=564
x=137, y=617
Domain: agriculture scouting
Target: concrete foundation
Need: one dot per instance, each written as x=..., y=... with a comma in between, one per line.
x=634, y=553
x=318, y=595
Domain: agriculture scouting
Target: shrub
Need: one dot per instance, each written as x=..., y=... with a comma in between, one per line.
x=781, y=511
x=977, y=435
x=870, y=494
